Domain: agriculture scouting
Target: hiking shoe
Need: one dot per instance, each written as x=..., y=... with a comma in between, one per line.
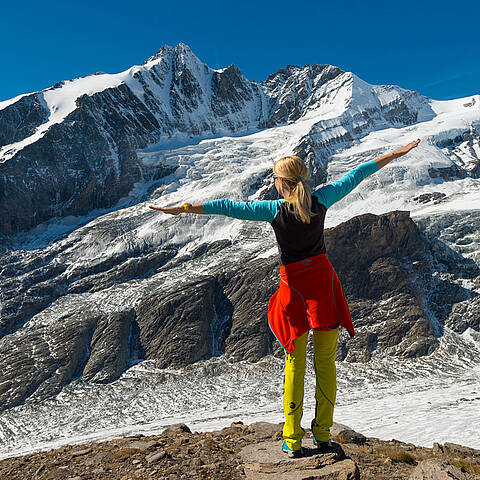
x=292, y=453
x=323, y=447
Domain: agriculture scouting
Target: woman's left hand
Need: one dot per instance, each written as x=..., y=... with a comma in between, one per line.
x=405, y=149
x=170, y=210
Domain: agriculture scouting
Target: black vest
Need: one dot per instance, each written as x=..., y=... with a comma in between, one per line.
x=297, y=240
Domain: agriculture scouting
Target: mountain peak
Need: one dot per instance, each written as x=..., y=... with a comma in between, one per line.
x=161, y=53
x=182, y=52
x=183, y=47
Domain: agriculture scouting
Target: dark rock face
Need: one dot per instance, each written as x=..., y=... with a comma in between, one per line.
x=223, y=313
x=231, y=91
x=298, y=82
x=447, y=173
x=379, y=241
x=88, y=160
x=464, y=315
x=109, y=347
x=247, y=290
x=96, y=348
x=20, y=119
x=434, y=197
x=45, y=360
x=29, y=287
x=27, y=292
x=117, y=270
x=85, y=163
x=462, y=150
x=371, y=271
x=175, y=326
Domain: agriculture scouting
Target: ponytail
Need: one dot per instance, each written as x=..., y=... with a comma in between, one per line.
x=296, y=174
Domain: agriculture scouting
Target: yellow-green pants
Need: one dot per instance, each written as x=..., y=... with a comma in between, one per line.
x=324, y=346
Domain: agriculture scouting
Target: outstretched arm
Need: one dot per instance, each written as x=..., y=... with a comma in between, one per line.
x=382, y=161
x=335, y=191
x=261, y=210
x=194, y=208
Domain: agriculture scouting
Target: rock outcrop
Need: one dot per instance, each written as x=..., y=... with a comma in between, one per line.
x=434, y=469
x=265, y=460
x=238, y=452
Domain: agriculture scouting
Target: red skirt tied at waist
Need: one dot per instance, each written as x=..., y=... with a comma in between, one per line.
x=310, y=296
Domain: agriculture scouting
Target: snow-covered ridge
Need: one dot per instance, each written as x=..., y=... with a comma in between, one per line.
x=358, y=96
x=171, y=98
x=60, y=100
x=10, y=101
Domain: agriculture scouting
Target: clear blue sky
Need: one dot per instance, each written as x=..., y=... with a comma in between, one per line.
x=428, y=46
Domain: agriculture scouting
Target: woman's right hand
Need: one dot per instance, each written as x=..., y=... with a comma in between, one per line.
x=170, y=210
x=409, y=146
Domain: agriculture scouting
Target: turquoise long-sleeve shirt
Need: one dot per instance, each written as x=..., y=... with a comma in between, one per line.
x=267, y=210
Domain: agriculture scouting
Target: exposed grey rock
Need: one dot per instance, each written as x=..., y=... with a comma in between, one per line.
x=463, y=150
x=451, y=240
x=88, y=160
x=143, y=445
x=38, y=363
x=454, y=449
x=371, y=269
x=80, y=453
x=231, y=90
x=464, y=315
x=109, y=347
x=447, y=173
x=155, y=456
x=117, y=270
x=27, y=287
x=245, y=295
x=434, y=197
x=265, y=460
x=343, y=434
x=175, y=326
x=266, y=428
x=175, y=428
x=298, y=82
x=434, y=469
x=20, y=119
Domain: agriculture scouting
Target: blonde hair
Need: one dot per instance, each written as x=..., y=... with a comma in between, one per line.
x=290, y=169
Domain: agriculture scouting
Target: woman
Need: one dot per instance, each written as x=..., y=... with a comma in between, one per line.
x=310, y=296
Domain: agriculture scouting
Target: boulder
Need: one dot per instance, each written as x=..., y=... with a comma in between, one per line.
x=266, y=428
x=454, y=449
x=343, y=434
x=434, y=469
x=176, y=428
x=265, y=460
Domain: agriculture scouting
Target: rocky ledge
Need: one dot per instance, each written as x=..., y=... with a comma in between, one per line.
x=244, y=451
